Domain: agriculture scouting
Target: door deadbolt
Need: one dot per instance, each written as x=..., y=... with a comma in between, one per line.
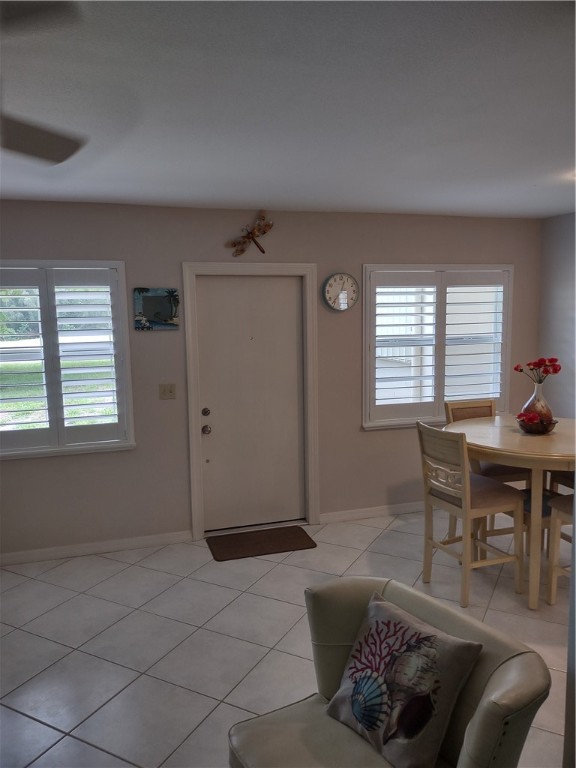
x=206, y=429
x=205, y=411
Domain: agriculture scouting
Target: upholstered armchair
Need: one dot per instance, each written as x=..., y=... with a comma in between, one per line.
x=489, y=722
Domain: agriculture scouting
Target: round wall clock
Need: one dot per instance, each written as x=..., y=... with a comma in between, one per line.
x=340, y=291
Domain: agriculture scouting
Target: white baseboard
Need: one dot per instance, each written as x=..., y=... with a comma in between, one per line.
x=360, y=514
x=161, y=540
x=94, y=548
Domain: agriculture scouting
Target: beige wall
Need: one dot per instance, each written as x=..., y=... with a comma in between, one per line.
x=59, y=501
x=557, y=316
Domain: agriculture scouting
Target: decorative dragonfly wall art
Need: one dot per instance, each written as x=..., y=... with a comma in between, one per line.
x=261, y=227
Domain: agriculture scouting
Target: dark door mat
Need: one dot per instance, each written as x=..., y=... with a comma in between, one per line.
x=234, y=546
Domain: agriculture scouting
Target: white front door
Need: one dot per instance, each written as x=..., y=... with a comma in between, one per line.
x=249, y=392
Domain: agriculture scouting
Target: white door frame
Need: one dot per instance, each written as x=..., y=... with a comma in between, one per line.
x=192, y=270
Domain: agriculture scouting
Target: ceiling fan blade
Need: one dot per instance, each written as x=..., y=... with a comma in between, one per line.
x=17, y=14
x=37, y=141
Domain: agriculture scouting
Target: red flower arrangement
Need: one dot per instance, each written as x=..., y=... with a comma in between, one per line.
x=529, y=417
x=535, y=424
x=536, y=418
x=539, y=370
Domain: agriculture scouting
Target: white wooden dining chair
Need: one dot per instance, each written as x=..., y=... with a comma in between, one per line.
x=558, y=477
x=457, y=410
x=562, y=513
x=469, y=497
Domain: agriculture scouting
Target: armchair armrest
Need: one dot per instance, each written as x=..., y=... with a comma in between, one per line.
x=497, y=730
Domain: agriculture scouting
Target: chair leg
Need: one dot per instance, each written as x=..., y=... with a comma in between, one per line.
x=481, y=531
x=428, y=539
x=478, y=534
x=467, y=546
x=554, y=541
x=519, y=548
x=452, y=523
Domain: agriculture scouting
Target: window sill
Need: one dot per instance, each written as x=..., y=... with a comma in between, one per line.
x=403, y=423
x=38, y=453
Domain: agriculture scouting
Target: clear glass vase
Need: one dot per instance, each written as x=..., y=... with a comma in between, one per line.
x=537, y=404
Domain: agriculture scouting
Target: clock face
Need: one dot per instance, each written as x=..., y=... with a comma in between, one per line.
x=340, y=291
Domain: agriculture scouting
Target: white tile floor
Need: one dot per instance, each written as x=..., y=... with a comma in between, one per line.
x=147, y=657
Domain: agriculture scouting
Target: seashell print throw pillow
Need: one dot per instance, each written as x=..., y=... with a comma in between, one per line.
x=400, y=684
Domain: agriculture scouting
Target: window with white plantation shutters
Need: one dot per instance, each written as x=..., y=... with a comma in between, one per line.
x=64, y=368
x=433, y=334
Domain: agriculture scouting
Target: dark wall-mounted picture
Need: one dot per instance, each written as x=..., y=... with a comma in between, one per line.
x=156, y=309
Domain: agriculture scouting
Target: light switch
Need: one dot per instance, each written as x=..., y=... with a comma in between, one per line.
x=167, y=391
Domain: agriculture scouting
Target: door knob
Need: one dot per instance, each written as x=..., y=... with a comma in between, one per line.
x=206, y=429
x=205, y=411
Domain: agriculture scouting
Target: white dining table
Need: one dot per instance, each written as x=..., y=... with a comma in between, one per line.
x=500, y=439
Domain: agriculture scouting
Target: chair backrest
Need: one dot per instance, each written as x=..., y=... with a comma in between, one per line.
x=456, y=410
x=445, y=467
x=496, y=705
x=564, y=505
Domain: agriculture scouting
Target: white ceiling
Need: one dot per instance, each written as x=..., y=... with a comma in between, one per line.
x=417, y=107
